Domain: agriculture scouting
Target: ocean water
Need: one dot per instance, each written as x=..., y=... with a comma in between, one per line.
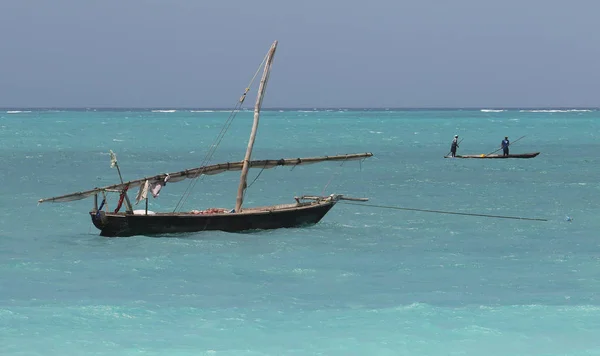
x=366, y=280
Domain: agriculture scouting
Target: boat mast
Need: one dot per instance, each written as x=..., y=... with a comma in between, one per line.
x=259, y=99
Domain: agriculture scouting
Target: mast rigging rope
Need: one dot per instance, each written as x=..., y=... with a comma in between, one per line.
x=219, y=138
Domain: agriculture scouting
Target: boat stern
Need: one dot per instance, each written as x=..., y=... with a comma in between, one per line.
x=98, y=219
x=110, y=226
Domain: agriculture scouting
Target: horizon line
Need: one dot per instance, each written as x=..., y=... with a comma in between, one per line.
x=303, y=108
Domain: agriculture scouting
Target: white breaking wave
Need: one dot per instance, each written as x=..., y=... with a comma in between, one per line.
x=164, y=110
x=557, y=110
x=491, y=110
x=16, y=111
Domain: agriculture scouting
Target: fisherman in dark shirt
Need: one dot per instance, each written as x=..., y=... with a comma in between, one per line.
x=504, y=145
x=454, y=146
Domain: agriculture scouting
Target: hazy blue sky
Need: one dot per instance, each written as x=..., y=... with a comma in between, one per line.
x=332, y=53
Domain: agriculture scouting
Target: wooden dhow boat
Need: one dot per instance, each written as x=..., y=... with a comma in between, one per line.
x=305, y=210
x=518, y=155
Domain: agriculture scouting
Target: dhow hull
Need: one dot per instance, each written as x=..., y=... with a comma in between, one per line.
x=122, y=225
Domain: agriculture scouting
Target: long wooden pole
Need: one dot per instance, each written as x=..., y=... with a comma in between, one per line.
x=208, y=170
x=257, y=106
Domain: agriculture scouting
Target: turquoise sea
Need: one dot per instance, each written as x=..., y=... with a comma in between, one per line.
x=364, y=281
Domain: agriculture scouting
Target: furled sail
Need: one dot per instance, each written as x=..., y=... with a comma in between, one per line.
x=162, y=179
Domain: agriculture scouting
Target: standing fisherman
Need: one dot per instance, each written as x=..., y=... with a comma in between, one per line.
x=505, y=143
x=454, y=146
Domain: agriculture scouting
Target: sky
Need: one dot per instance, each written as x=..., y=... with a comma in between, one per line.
x=331, y=53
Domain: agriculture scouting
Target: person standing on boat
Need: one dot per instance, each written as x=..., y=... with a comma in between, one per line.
x=505, y=143
x=454, y=146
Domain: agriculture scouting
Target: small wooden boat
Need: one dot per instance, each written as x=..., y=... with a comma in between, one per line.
x=305, y=210
x=518, y=155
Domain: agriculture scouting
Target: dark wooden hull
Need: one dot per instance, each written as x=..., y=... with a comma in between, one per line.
x=120, y=224
x=519, y=155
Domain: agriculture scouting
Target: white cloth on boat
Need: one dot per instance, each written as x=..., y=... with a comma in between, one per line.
x=143, y=212
x=157, y=186
x=113, y=159
x=153, y=187
x=143, y=192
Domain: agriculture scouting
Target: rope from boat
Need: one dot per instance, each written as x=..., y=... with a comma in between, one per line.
x=444, y=212
x=258, y=175
x=338, y=171
x=104, y=199
x=218, y=140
